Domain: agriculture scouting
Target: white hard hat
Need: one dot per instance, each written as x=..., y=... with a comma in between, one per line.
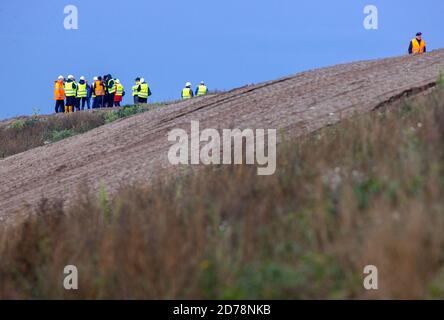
x=142, y=80
x=95, y=79
x=82, y=78
x=202, y=82
x=70, y=77
x=61, y=78
x=117, y=81
x=188, y=84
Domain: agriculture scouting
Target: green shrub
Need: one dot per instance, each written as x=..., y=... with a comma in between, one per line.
x=123, y=112
x=62, y=134
x=440, y=80
x=111, y=116
x=21, y=124
x=18, y=124
x=131, y=110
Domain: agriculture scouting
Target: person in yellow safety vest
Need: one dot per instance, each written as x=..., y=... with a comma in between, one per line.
x=143, y=91
x=187, y=92
x=417, y=45
x=70, y=94
x=201, y=90
x=59, y=94
x=110, y=91
x=134, y=90
x=120, y=92
x=81, y=93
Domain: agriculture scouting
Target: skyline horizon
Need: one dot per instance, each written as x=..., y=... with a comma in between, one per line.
x=260, y=43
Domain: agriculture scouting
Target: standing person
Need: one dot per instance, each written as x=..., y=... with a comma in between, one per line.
x=417, y=45
x=201, y=90
x=120, y=92
x=76, y=99
x=135, y=92
x=187, y=92
x=70, y=93
x=88, y=95
x=111, y=89
x=93, y=92
x=82, y=92
x=106, y=97
x=99, y=92
x=59, y=94
x=143, y=91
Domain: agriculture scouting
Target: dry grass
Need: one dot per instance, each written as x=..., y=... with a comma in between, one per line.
x=32, y=132
x=25, y=133
x=366, y=191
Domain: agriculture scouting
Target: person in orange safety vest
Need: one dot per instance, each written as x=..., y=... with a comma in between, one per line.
x=417, y=45
x=59, y=94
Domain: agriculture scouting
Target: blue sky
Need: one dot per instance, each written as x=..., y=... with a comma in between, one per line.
x=226, y=43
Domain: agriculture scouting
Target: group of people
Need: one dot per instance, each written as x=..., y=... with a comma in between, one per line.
x=71, y=95
x=187, y=92
x=106, y=92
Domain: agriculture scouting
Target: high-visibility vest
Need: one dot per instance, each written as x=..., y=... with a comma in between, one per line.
x=81, y=90
x=418, y=47
x=135, y=93
x=99, y=90
x=119, y=89
x=202, y=90
x=59, y=91
x=186, y=93
x=113, y=88
x=143, y=93
x=69, y=89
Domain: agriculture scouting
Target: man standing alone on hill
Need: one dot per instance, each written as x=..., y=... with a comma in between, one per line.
x=59, y=95
x=417, y=45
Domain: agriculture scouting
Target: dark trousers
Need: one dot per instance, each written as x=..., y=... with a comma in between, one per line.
x=60, y=106
x=111, y=99
x=142, y=100
x=116, y=103
x=108, y=101
x=105, y=100
x=98, y=102
x=77, y=104
x=83, y=101
x=136, y=99
x=71, y=101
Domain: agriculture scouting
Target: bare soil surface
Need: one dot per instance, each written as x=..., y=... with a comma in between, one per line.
x=136, y=148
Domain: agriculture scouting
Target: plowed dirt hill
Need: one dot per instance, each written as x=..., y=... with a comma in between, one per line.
x=135, y=148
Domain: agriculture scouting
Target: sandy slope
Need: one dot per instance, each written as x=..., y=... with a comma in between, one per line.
x=136, y=148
